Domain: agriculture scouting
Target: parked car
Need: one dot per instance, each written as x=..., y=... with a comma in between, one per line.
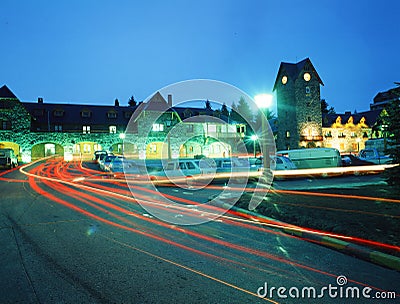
x=98, y=154
x=277, y=163
x=8, y=159
x=104, y=164
x=372, y=155
x=185, y=170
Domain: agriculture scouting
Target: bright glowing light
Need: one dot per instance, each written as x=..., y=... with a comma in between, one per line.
x=122, y=135
x=254, y=137
x=263, y=100
x=78, y=179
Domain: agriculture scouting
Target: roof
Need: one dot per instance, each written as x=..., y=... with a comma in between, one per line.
x=5, y=93
x=370, y=118
x=387, y=95
x=294, y=69
x=72, y=113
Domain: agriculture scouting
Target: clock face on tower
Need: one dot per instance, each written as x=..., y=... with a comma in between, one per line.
x=307, y=76
x=284, y=79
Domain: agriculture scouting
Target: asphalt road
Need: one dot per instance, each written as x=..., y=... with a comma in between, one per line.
x=61, y=243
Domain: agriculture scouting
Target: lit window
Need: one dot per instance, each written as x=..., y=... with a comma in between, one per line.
x=212, y=128
x=86, y=129
x=158, y=127
x=287, y=134
x=113, y=129
x=86, y=148
x=153, y=148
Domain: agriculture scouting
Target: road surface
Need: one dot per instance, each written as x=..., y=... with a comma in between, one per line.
x=69, y=236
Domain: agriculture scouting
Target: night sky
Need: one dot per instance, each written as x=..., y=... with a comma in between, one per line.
x=82, y=51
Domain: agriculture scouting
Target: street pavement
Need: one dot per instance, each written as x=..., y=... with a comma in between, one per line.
x=53, y=253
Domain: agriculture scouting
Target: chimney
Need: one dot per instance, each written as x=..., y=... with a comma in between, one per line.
x=169, y=100
x=347, y=113
x=40, y=100
x=116, y=103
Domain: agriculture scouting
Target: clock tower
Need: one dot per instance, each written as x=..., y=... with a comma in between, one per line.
x=297, y=87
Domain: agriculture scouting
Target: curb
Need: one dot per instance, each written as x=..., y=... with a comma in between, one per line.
x=373, y=256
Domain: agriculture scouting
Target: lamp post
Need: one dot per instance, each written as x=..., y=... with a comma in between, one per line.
x=358, y=140
x=122, y=137
x=264, y=101
x=254, y=137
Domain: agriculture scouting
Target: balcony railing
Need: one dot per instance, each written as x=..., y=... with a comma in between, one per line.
x=311, y=138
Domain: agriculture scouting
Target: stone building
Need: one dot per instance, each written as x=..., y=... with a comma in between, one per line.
x=148, y=130
x=297, y=87
x=348, y=132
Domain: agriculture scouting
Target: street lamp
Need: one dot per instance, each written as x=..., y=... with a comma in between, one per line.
x=358, y=140
x=264, y=101
x=254, y=137
x=122, y=137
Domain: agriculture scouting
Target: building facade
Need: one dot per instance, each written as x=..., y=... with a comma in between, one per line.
x=297, y=88
x=148, y=130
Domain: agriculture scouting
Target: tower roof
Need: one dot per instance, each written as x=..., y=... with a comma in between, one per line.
x=292, y=70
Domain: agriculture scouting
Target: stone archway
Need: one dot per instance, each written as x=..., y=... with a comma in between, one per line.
x=45, y=149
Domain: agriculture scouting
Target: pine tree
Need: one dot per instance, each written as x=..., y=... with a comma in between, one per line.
x=208, y=105
x=132, y=101
x=224, y=110
x=325, y=109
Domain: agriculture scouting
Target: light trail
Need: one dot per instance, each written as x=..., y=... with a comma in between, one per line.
x=45, y=171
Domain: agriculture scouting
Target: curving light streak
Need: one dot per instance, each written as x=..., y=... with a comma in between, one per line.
x=48, y=169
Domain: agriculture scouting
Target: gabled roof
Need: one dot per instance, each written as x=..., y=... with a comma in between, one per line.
x=5, y=93
x=370, y=118
x=156, y=103
x=292, y=70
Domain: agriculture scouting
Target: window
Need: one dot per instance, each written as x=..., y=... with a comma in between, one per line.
x=58, y=128
x=113, y=129
x=308, y=118
x=38, y=112
x=153, y=148
x=353, y=135
x=212, y=128
x=308, y=91
x=190, y=128
x=158, y=127
x=240, y=129
x=112, y=114
x=5, y=125
x=58, y=113
x=86, y=114
x=128, y=114
x=86, y=148
x=287, y=133
x=86, y=129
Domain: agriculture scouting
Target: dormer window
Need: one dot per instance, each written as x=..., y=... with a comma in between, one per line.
x=58, y=113
x=86, y=114
x=112, y=114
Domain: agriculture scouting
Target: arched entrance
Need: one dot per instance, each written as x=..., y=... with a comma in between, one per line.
x=46, y=149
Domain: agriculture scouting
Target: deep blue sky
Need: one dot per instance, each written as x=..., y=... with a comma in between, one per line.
x=82, y=51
